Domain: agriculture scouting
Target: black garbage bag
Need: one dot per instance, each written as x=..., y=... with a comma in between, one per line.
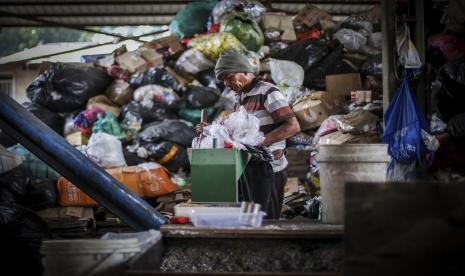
x=64, y=87
x=456, y=126
x=331, y=64
x=157, y=112
x=21, y=236
x=373, y=66
x=448, y=94
x=201, y=97
x=132, y=159
x=307, y=52
x=6, y=140
x=52, y=119
x=170, y=155
x=41, y=194
x=175, y=131
x=14, y=187
x=156, y=75
x=208, y=78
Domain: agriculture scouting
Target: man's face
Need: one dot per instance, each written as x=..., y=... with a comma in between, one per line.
x=235, y=81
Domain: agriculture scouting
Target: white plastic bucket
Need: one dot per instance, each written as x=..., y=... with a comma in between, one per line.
x=105, y=256
x=347, y=163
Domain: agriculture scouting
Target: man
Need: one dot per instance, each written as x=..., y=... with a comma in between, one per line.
x=262, y=182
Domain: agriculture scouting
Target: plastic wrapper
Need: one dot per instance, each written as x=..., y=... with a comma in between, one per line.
x=120, y=92
x=86, y=119
x=22, y=234
x=51, y=119
x=109, y=124
x=431, y=143
x=201, y=97
x=357, y=122
x=301, y=138
x=254, y=8
x=373, y=66
x=211, y=45
x=437, y=125
x=244, y=128
x=155, y=180
x=9, y=160
x=105, y=150
x=192, y=61
x=157, y=93
x=65, y=88
x=351, y=39
x=226, y=100
x=102, y=102
x=156, y=75
x=244, y=27
x=192, y=19
x=172, y=156
x=328, y=126
x=118, y=73
x=408, y=54
x=69, y=126
x=450, y=46
x=32, y=166
x=310, y=15
x=286, y=72
x=375, y=40
x=175, y=131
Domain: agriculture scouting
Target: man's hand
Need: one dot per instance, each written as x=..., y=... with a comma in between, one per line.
x=199, y=127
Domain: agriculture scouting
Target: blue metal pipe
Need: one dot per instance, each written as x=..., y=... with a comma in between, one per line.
x=53, y=149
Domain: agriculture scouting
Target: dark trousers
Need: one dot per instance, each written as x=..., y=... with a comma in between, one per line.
x=261, y=185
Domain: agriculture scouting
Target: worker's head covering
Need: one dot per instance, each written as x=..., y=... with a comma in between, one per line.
x=232, y=61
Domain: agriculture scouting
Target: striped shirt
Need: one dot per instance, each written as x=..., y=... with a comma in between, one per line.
x=269, y=105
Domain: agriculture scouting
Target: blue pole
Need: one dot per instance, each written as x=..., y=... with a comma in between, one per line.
x=53, y=149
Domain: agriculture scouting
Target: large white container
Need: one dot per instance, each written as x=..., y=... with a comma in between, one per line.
x=347, y=163
x=105, y=256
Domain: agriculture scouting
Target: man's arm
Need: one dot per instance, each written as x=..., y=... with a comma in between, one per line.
x=287, y=129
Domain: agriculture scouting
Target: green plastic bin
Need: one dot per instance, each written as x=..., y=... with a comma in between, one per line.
x=214, y=174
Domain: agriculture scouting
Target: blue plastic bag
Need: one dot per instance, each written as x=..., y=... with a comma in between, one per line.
x=404, y=121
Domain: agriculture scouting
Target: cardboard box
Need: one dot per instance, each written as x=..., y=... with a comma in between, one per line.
x=102, y=102
x=172, y=42
x=314, y=109
x=343, y=84
x=151, y=56
x=361, y=96
x=131, y=61
x=284, y=23
x=292, y=186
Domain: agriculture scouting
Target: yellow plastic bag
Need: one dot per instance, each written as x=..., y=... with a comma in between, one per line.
x=211, y=45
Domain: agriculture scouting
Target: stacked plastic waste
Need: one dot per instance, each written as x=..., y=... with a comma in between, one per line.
x=129, y=108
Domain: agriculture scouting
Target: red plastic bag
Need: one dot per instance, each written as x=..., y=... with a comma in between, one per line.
x=450, y=46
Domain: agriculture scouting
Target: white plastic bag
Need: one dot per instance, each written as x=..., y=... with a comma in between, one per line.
x=244, y=128
x=285, y=72
x=408, y=54
x=155, y=92
x=193, y=61
x=9, y=160
x=106, y=150
x=375, y=40
x=351, y=39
